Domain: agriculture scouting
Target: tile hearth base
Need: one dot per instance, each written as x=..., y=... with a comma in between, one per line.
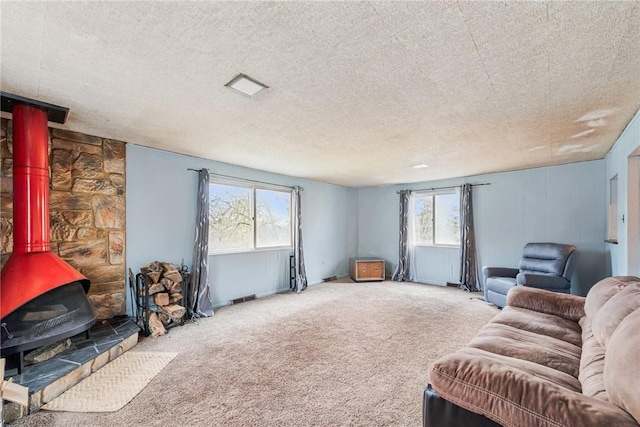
x=49, y=379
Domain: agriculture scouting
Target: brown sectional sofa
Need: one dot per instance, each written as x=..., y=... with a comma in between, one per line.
x=547, y=359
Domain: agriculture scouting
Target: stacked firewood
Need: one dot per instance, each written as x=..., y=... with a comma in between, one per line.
x=164, y=283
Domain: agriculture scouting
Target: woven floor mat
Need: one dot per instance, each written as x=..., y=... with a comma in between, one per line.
x=114, y=385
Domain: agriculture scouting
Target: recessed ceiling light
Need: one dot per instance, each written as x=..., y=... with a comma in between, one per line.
x=246, y=85
x=420, y=166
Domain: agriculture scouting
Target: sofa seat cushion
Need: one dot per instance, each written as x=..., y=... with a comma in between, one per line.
x=524, y=366
x=516, y=392
x=529, y=346
x=540, y=323
x=501, y=284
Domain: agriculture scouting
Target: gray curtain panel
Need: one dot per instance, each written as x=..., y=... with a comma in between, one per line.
x=404, y=271
x=198, y=300
x=469, y=265
x=300, y=283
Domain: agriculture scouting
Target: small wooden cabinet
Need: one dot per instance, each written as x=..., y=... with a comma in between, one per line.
x=366, y=269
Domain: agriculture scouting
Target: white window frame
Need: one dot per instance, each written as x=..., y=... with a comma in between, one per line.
x=254, y=247
x=433, y=194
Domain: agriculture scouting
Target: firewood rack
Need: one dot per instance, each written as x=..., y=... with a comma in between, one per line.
x=143, y=302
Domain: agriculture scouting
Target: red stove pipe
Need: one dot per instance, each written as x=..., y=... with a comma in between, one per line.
x=30, y=180
x=32, y=269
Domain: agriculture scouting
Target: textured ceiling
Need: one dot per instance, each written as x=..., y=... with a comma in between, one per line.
x=358, y=91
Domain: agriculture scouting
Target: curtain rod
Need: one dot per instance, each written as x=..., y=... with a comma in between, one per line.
x=446, y=188
x=247, y=179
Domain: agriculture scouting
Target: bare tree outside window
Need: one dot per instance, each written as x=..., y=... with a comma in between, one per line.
x=423, y=219
x=232, y=221
x=436, y=219
x=273, y=218
x=447, y=219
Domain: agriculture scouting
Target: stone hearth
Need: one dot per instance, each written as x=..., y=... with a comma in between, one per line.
x=49, y=379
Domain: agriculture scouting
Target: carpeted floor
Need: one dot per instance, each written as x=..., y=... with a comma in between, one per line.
x=338, y=354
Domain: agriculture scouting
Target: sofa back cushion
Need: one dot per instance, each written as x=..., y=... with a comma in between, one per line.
x=545, y=258
x=622, y=365
x=609, y=316
x=600, y=293
x=609, y=365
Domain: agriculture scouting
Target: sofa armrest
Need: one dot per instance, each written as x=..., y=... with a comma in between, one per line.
x=514, y=397
x=499, y=271
x=567, y=306
x=542, y=281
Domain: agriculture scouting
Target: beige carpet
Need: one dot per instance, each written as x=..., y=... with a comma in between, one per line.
x=114, y=385
x=338, y=354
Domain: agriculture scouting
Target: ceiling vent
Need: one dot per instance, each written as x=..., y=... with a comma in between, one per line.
x=246, y=85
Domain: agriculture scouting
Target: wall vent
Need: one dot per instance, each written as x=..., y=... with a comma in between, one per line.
x=243, y=299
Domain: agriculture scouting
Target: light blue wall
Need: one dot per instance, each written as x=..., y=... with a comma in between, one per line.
x=562, y=204
x=617, y=162
x=161, y=201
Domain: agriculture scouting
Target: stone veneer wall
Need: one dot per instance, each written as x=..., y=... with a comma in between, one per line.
x=87, y=206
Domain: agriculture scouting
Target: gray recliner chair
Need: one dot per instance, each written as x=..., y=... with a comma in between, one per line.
x=547, y=266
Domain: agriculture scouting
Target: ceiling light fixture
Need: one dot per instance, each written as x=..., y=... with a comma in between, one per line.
x=246, y=85
x=420, y=166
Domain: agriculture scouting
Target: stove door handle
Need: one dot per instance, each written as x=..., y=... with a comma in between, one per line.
x=9, y=334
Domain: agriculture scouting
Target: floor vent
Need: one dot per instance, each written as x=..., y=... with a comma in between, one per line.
x=330, y=279
x=243, y=299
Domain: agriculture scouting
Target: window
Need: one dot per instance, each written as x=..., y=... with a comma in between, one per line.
x=244, y=218
x=273, y=218
x=436, y=219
